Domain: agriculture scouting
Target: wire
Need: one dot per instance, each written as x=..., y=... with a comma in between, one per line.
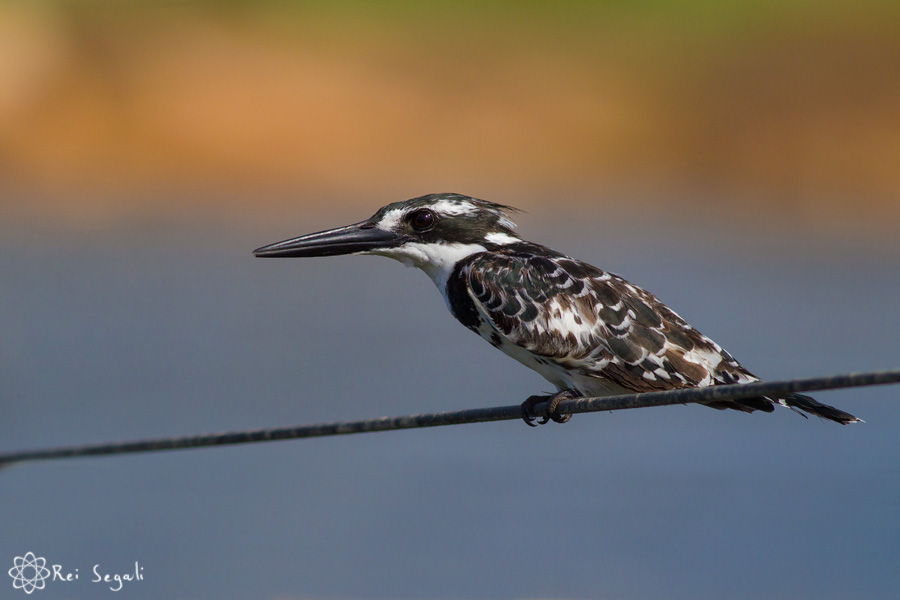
x=477, y=415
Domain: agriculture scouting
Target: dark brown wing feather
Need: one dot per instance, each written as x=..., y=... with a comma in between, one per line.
x=597, y=324
x=585, y=318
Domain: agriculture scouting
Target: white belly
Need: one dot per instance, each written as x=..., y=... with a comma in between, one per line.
x=559, y=376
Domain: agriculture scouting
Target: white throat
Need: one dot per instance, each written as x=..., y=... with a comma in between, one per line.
x=436, y=259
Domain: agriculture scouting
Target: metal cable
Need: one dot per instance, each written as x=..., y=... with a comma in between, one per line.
x=477, y=415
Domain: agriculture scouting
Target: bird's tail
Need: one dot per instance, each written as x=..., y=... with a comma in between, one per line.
x=798, y=402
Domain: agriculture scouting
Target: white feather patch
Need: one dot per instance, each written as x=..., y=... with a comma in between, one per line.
x=501, y=239
x=453, y=208
x=391, y=219
x=436, y=259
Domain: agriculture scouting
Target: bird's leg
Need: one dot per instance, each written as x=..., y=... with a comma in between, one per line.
x=552, y=403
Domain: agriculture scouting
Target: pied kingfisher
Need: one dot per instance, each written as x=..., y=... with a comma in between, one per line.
x=588, y=332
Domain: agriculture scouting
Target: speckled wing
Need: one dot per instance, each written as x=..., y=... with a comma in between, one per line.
x=593, y=324
x=585, y=329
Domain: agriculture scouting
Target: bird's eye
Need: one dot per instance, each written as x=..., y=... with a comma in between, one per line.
x=422, y=220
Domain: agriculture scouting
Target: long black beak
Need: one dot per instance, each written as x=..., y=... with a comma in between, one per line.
x=359, y=237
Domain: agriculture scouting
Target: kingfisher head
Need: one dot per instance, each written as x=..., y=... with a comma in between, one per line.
x=432, y=233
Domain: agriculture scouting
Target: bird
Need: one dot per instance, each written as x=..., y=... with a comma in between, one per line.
x=587, y=331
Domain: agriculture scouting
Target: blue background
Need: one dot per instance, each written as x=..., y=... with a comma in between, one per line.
x=170, y=327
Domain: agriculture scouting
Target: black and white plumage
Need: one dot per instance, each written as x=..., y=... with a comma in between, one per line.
x=588, y=332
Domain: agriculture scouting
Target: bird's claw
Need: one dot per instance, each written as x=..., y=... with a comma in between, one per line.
x=528, y=407
x=550, y=412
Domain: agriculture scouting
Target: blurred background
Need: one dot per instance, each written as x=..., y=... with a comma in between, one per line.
x=788, y=109
x=740, y=159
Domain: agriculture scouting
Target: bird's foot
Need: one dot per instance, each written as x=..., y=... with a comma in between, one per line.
x=550, y=413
